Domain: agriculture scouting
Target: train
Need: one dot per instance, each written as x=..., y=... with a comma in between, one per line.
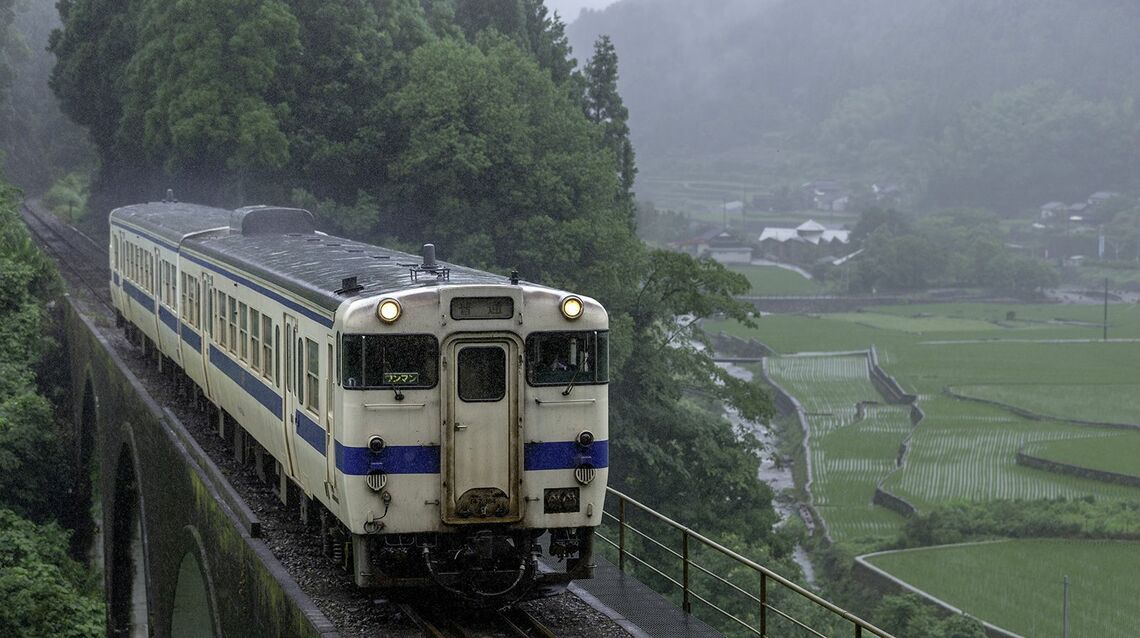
x=448, y=425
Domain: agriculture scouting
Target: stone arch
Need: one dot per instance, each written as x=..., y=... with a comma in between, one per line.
x=129, y=612
x=193, y=613
x=84, y=481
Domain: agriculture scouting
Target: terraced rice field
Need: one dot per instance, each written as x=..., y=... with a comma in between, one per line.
x=1110, y=451
x=1017, y=585
x=849, y=455
x=969, y=451
x=1098, y=403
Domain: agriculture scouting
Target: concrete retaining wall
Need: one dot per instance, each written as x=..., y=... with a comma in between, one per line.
x=1076, y=470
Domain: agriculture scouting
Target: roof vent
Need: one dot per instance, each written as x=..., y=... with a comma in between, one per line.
x=349, y=286
x=270, y=220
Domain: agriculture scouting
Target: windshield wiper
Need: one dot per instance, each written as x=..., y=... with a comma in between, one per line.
x=396, y=389
x=573, y=378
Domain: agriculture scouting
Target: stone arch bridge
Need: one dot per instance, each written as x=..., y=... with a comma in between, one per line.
x=180, y=549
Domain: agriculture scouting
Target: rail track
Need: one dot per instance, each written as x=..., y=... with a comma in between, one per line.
x=438, y=622
x=84, y=258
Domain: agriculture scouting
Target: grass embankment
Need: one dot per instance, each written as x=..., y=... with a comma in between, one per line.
x=776, y=281
x=1018, y=584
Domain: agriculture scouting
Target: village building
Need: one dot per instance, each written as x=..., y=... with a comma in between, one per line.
x=805, y=243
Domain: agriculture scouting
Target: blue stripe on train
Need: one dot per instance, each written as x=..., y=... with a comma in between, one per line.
x=193, y=339
x=564, y=455
x=133, y=292
x=393, y=459
x=425, y=459
x=313, y=433
x=168, y=318
x=247, y=380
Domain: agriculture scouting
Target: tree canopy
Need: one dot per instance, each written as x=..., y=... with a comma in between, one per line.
x=460, y=122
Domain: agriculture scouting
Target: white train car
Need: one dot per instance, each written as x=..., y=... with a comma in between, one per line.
x=450, y=422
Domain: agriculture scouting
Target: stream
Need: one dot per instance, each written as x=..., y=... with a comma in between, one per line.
x=776, y=474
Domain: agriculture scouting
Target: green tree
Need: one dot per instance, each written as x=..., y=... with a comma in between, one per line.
x=93, y=48
x=604, y=107
x=355, y=58
x=203, y=93
x=873, y=219
x=45, y=592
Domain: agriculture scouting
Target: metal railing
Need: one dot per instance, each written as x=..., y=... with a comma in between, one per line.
x=688, y=565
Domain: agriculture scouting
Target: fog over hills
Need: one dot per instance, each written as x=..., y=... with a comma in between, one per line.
x=947, y=92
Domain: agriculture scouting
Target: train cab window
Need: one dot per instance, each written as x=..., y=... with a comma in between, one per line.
x=559, y=358
x=482, y=374
x=369, y=362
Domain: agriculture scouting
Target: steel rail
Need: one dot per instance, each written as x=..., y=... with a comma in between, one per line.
x=86, y=261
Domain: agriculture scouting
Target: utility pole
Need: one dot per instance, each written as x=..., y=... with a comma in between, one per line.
x=1065, y=610
x=1106, y=308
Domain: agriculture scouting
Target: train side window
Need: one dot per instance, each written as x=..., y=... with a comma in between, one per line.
x=233, y=319
x=115, y=251
x=329, y=388
x=267, y=347
x=221, y=318
x=277, y=354
x=312, y=376
x=243, y=330
x=254, y=339
x=299, y=371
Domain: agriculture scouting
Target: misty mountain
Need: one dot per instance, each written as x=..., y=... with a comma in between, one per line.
x=912, y=86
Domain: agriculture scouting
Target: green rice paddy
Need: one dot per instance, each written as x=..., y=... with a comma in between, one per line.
x=776, y=281
x=1047, y=359
x=1110, y=451
x=1108, y=403
x=1017, y=585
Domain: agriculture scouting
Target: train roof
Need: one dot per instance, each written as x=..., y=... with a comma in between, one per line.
x=310, y=264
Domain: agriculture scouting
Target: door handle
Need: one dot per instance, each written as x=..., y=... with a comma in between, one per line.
x=459, y=426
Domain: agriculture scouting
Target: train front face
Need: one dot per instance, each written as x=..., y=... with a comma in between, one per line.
x=474, y=438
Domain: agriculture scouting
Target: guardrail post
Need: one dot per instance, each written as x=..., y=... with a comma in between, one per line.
x=621, y=534
x=858, y=630
x=763, y=605
x=686, y=606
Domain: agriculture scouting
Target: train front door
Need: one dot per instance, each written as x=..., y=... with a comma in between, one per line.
x=481, y=430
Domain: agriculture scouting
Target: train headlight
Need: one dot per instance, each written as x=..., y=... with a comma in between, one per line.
x=376, y=445
x=388, y=310
x=585, y=438
x=572, y=308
